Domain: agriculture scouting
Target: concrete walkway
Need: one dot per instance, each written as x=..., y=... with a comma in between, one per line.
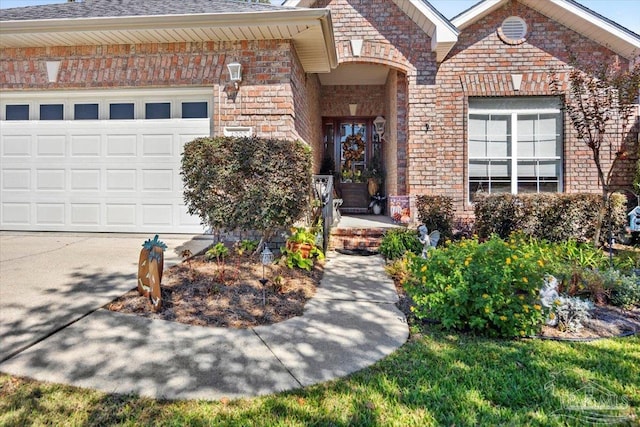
x=351, y=323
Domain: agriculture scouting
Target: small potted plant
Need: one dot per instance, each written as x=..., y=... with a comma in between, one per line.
x=301, y=240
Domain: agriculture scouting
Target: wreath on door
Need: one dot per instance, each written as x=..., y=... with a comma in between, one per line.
x=352, y=149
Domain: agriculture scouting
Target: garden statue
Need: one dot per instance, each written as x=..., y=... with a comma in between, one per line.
x=150, y=266
x=429, y=241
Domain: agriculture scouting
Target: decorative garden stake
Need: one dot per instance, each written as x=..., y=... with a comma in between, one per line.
x=266, y=258
x=150, y=266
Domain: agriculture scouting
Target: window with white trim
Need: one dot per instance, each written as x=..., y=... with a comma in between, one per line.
x=515, y=145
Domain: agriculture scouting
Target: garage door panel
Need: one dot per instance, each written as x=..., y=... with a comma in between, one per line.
x=121, y=145
x=86, y=145
x=51, y=145
x=50, y=179
x=16, y=213
x=121, y=214
x=157, y=180
x=157, y=145
x=85, y=179
x=85, y=214
x=50, y=213
x=103, y=175
x=16, y=145
x=121, y=179
x=157, y=214
x=16, y=179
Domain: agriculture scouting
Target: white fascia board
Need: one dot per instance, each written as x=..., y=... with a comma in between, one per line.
x=445, y=35
x=298, y=3
x=614, y=30
x=476, y=12
x=205, y=20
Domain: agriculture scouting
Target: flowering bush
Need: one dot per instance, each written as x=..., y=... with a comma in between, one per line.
x=490, y=288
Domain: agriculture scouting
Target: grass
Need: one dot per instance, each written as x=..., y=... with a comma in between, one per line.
x=434, y=379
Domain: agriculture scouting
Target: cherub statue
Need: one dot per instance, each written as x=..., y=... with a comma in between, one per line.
x=428, y=241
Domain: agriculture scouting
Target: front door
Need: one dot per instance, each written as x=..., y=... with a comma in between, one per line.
x=356, y=151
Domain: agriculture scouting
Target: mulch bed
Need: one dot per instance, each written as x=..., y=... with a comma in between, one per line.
x=605, y=322
x=205, y=293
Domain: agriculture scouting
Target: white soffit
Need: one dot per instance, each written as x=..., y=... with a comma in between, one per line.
x=355, y=74
x=569, y=14
x=310, y=30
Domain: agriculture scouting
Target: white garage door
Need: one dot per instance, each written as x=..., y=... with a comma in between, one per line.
x=109, y=175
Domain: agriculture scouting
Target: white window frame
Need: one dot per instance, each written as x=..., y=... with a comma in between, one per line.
x=104, y=97
x=513, y=141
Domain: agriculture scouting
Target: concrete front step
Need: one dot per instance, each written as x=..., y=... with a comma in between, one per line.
x=356, y=238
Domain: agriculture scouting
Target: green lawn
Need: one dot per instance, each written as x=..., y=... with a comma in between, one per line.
x=434, y=379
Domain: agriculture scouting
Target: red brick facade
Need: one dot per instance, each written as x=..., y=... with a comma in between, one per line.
x=424, y=102
x=276, y=97
x=481, y=64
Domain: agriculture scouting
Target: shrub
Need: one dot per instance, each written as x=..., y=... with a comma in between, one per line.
x=552, y=216
x=398, y=241
x=436, y=213
x=625, y=290
x=246, y=183
x=571, y=312
x=490, y=288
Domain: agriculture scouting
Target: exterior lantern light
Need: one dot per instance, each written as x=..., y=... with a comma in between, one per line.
x=379, y=123
x=266, y=258
x=235, y=73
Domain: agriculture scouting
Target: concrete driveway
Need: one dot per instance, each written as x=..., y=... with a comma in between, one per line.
x=50, y=280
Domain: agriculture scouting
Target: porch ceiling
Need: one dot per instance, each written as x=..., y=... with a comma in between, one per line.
x=355, y=74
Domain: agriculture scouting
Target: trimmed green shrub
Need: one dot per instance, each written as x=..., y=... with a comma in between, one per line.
x=398, y=241
x=246, y=183
x=436, y=213
x=490, y=288
x=551, y=216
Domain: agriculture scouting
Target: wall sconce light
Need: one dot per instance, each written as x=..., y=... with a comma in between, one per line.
x=353, y=108
x=235, y=73
x=427, y=127
x=379, y=123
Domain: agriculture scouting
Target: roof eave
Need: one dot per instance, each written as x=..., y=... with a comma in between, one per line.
x=308, y=18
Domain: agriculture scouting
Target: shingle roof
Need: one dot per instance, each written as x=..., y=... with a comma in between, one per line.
x=121, y=8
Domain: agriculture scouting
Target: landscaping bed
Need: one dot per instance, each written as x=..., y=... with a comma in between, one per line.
x=207, y=293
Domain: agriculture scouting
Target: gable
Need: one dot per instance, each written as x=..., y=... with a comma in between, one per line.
x=568, y=13
x=442, y=33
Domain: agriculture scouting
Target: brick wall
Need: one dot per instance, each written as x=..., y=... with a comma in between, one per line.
x=265, y=100
x=392, y=39
x=481, y=65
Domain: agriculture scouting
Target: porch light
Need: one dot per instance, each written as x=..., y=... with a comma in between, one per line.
x=235, y=73
x=379, y=123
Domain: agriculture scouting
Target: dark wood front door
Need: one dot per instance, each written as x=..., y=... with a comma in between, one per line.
x=356, y=151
